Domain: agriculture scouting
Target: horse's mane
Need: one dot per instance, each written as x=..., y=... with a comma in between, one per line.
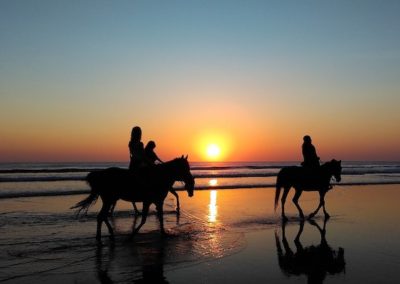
x=170, y=162
x=333, y=161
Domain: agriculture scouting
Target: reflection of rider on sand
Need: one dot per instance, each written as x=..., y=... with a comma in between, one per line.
x=314, y=261
x=311, y=160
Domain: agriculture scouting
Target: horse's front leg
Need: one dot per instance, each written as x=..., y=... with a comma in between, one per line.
x=178, y=207
x=321, y=204
x=296, y=202
x=327, y=216
x=145, y=212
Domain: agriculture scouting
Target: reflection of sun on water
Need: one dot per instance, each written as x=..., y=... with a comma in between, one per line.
x=212, y=207
x=213, y=182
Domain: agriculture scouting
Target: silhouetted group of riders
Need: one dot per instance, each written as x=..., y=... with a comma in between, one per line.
x=141, y=156
x=153, y=183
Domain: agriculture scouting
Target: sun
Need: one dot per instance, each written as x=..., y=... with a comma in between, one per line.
x=213, y=151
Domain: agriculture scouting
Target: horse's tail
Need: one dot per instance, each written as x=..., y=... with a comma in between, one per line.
x=278, y=190
x=83, y=205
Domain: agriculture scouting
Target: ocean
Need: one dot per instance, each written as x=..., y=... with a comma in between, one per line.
x=43, y=241
x=53, y=179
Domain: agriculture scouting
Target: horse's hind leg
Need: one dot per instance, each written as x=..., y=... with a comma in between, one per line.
x=102, y=217
x=110, y=230
x=296, y=202
x=135, y=208
x=160, y=215
x=283, y=200
x=112, y=208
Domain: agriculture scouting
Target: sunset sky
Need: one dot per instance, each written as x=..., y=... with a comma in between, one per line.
x=251, y=77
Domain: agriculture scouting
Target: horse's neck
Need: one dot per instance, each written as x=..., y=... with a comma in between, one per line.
x=326, y=169
x=168, y=171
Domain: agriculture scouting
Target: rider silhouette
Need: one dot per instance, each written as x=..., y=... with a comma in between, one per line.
x=136, y=149
x=311, y=160
x=151, y=156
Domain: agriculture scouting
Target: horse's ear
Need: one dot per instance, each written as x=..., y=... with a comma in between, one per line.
x=182, y=157
x=186, y=157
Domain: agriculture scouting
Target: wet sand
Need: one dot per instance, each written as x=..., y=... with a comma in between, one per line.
x=228, y=235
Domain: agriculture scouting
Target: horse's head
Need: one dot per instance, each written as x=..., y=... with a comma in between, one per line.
x=336, y=168
x=185, y=175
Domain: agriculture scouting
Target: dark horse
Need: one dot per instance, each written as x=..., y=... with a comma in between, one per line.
x=148, y=185
x=305, y=179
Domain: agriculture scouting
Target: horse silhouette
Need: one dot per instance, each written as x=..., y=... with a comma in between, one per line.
x=305, y=179
x=148, y=185
x=315, y=261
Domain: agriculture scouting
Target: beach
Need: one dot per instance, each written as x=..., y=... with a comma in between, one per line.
x=230, y=235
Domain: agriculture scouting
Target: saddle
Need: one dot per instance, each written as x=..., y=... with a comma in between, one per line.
x=312, y=177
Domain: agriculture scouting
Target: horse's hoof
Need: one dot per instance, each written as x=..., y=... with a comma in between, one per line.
x=284, y=219
x=327, y=216
x=310, y=216
x=99, y=242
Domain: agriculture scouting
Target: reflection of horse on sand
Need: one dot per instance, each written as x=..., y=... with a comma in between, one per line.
x=315, y=261
x=305, y=179
x=142, y=263
x=149, y=185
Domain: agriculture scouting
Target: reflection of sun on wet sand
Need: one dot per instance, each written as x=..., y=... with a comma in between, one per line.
x=213, y=208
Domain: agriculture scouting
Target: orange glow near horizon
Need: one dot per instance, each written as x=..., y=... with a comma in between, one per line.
x=213, y=146
x=239, y=140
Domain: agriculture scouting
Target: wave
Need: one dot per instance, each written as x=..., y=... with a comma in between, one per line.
x=41, y=179
x=195, y=166
x=38, y=171
x=19, y=194
x=393, y=173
